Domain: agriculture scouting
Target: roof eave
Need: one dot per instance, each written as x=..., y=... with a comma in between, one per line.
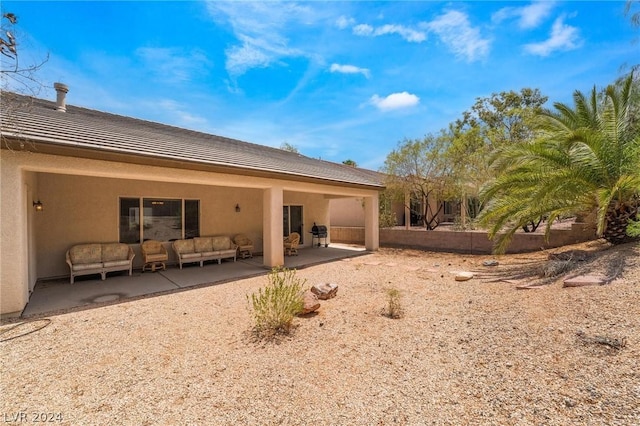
x=53, y=147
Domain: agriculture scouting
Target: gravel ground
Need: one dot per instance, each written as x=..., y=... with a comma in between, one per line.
x=478, y=352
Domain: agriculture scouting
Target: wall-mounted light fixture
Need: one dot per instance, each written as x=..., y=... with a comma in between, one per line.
x=38, y=206
x=237, y=208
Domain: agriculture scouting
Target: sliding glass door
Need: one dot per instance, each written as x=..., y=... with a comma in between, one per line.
x=292, y=221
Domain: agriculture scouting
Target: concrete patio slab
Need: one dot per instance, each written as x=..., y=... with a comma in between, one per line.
x=55, y=296
x=192, y=275
x=87, y=290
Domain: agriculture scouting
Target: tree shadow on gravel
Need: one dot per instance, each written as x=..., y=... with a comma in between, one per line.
x=595, y=258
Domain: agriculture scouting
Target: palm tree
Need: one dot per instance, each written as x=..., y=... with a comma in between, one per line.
x=586, y=159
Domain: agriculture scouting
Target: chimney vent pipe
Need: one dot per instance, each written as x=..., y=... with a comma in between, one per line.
x=61, y=102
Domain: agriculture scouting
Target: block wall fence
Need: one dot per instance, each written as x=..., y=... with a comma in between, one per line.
x=470, y=242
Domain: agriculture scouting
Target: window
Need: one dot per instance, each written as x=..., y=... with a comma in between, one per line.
x=448, y=207
x=129, y=220
x=158, y=219
x=162, y=219
x=191, y=218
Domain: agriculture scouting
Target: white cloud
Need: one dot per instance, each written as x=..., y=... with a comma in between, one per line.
x=343, y=22
x=406, y=33
x=395, y=101
x=349, y=69
x=172, y=64
x=363, y=30
x=456, y=32
x=178, y=114
x=563, y=37
x=242, y=58
x=530, y=16
x=257, y=53
x=260, y=28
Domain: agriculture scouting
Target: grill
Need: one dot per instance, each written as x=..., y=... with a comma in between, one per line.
x=319, y=232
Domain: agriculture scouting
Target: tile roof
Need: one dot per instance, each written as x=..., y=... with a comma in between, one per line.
x=38, y=120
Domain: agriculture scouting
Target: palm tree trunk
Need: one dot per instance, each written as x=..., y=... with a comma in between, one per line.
x=617, y=220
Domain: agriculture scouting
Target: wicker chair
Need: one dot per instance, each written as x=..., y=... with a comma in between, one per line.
x=154, y=255
x=291, y=244
x=245, y=246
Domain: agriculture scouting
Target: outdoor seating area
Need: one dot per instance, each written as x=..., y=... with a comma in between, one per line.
x=245, y=246
x=54, y=295
x=99, y=258
x=202, y=249
x=154, y=255
x=291, y=244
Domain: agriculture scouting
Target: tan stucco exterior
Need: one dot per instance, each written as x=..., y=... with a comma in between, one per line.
x=81, y=204
x=347, y=212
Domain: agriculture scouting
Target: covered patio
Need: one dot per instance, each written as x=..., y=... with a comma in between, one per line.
x=74, y=176
x=57, y=296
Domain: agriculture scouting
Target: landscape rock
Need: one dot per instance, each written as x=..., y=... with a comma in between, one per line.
x=491, y=262
x=528, y=287
x=311, y=303
x=325, y=291
x=583, y=280
x=464, y=276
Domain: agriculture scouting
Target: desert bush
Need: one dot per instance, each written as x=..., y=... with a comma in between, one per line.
x=275, y=305
x=471, y=224
x=394, y=306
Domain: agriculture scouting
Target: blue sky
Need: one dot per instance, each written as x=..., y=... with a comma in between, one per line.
x=337, y=80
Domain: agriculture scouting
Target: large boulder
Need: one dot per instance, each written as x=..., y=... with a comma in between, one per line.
x=325, y=291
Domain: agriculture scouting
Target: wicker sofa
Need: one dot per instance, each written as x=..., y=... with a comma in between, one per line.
x=201, y=249
x=99, y=258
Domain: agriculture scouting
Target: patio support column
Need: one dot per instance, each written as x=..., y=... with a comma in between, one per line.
x=272, y=227
x=13, y=241
x=371, y=222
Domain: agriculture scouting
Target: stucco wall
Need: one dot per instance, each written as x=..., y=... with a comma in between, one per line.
x=32, y=194
x=14, y=251
x=314, y=209
x=82, y=209
x=347, y=212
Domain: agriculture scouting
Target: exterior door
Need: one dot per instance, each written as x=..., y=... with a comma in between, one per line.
x=292, y=221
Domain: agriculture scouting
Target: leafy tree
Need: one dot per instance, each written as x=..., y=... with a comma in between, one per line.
x=634, y=101
x=419, y=167
x=493, y=122
x=386, y=215
x=286, y=146
x=350, y=162
x=586, y=159
x=503, y=118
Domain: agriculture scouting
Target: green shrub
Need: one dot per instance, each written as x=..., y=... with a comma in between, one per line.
x=275, y=305
x=633, y=228
x=394, y=307
x=471, y=224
